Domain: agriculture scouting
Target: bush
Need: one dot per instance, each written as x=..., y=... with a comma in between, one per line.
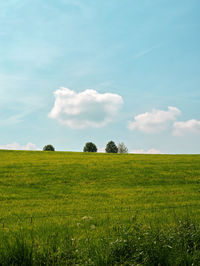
x=122, y=148
x=90, y=147
x=49, y=147
x=111, y=147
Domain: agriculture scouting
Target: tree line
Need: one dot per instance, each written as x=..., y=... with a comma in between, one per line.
x=111, y=147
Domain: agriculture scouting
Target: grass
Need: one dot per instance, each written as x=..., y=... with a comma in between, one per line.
x=125, y=245
x=86, y=196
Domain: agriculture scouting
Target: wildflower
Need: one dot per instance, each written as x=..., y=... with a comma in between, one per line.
x=92, y=226
x=86, y=218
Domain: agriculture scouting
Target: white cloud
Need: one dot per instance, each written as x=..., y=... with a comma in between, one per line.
x=190, y=126
x=150, y=151
x=101, y=150
x=155, y=121
x=85, y=109
x=17, y=146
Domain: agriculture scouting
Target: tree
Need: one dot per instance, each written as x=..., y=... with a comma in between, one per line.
x=122, y=148
x=111, y=147
x=90, y=147
x=49, y=147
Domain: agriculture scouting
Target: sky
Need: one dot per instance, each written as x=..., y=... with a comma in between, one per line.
x=74, y=71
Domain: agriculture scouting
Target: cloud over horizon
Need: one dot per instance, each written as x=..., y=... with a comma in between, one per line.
x=88, y=108
x=182, y=128
x=150, y=151
x=155, y=121
x=17, y=146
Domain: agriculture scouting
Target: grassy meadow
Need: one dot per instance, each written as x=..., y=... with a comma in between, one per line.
x=52, y=201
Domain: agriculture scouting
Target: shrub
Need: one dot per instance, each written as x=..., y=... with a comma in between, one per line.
x=111, y=147
x=90, y=147
x=49, y=147
x=122, y=148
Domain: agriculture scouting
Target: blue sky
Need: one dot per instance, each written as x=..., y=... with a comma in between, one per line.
x=73, y=71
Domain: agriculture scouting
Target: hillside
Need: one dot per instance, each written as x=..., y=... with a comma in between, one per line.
x=35, y=184
x=65, y=208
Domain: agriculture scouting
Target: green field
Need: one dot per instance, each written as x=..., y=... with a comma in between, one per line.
x=90, y=193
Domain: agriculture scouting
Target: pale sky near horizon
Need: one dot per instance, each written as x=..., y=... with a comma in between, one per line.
x=74, y=71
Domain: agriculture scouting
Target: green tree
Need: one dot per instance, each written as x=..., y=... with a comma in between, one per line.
x=122, y=148
x=111, y=147
x=90, y=147
x=49, y=147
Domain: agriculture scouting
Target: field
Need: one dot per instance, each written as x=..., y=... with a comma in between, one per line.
x=94, y=196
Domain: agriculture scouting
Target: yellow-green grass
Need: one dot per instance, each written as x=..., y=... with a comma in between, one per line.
x=94, y=191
